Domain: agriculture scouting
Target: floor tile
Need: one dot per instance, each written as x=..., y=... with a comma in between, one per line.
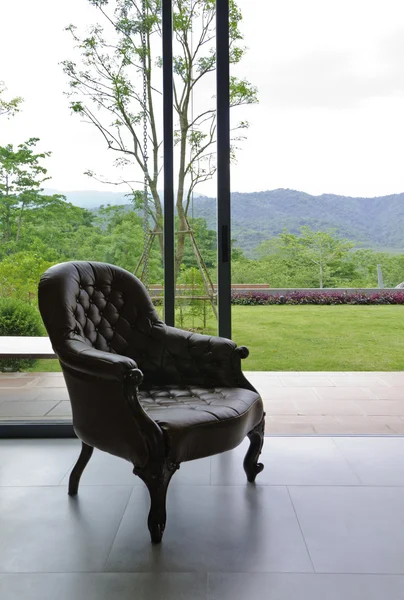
x=215, y=529
x=344, y=425
x=43, y=530
x=342, y=381
x=14, y=382
x=63, y=409
x=50, y=382
x=242, y=586
x=288, y=461
x=290, y=393
x=104, y=586
x=279, y=407
x=330, y=408
x=57, y=374
x=381, y=407
x=285, y=424
x=20, y=394
x=264, y=380
x=307, y=381
x=352, y=529
x=36, y=462
x=376, y=461
x=52, y=393
x=344, y=393
x=393, y=378
x=105, y=469
x=388, y=392
x=25, y=409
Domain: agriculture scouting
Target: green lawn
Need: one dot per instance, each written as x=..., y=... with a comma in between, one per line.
x=321, y=338
x=315, y=338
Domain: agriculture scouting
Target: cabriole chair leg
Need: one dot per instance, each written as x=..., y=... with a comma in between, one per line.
x=74, y=479
x=157, y=478
x=251, y=465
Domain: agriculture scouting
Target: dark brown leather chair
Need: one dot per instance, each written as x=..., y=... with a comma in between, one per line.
x=151, y=394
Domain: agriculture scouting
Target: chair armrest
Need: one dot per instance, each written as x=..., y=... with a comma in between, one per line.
x=204, y=360
x=105, y=365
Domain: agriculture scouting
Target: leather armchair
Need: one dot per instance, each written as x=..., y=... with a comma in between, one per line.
x=148, y=393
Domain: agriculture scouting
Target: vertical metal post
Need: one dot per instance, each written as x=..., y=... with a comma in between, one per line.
x=223, y=167
x=380, y=283
x=168, y=130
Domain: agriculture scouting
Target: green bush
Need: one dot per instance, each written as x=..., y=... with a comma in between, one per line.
x=18, y=318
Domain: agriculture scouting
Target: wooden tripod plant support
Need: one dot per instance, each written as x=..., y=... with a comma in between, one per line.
x=210, y=292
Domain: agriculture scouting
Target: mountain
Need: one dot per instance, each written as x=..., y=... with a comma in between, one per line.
x=370, y=222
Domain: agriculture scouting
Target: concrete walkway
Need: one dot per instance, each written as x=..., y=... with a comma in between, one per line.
x=295, y=402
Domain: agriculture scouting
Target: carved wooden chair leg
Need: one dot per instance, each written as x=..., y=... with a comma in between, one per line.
x=74, y=480
x=157, y=478
x=251, y=465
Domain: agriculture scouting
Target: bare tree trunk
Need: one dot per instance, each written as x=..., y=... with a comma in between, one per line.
x=182, y=223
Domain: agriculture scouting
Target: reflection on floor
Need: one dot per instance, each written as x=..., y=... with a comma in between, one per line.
x=325, y=520
x=296, y=402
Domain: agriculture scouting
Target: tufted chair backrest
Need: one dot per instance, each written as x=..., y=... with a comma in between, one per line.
x=102, y=305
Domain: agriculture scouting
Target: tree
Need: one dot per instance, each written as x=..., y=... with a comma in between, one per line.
x=8, y=107
x=106, y=89
x=21, y=176
x=318, y=249
x=20, y=274
x=56, y=231
x=392, y=267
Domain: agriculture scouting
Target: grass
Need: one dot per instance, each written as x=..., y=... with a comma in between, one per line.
x=314, y=338
x=321, y=338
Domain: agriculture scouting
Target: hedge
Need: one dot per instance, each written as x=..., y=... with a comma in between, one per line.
x=316, y=297
x=18, y=318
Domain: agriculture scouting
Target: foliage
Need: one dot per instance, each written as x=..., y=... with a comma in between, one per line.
x=316, y=253
x=319, y=298
x=193, y=308
x=18, y=318
x=106, y=89
x=20, y=274
x=206, y=240
x=8, y=107
x=21, y=176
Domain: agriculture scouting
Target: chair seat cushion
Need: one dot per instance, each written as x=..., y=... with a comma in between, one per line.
x=200, y=422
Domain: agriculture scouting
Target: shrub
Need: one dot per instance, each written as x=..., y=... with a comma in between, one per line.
x=18, y=318
x=317, y=297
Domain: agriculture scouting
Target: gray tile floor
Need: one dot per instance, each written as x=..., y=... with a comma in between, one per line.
x=325, y=520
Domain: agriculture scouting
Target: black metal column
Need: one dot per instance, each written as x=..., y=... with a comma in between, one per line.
x=223, y=167
x=168, y=127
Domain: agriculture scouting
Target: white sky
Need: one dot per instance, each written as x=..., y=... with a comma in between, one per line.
x=330, y=75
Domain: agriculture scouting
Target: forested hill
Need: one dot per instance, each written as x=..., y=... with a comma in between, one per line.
x=371, y=222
